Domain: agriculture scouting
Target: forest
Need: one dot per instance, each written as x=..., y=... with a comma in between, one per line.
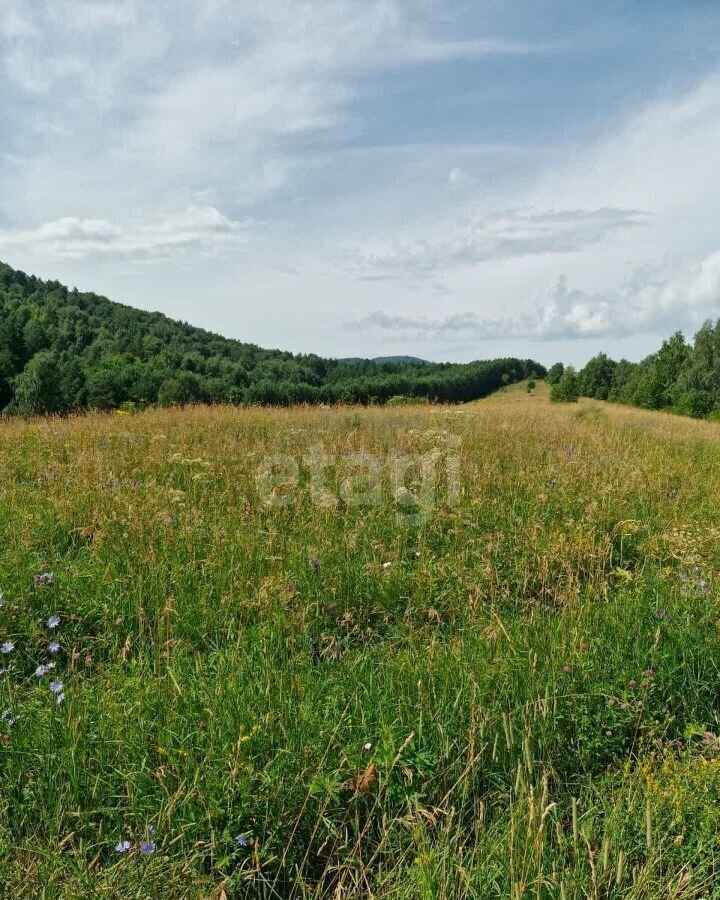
x=681, y=377
x=62, y=350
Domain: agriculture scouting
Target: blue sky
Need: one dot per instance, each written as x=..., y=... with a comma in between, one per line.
x=364, y=177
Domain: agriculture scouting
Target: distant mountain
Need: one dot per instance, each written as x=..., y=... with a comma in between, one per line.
x=63, y=350
x=381, y=360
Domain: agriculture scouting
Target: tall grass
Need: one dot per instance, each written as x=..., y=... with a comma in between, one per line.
x=513, y=695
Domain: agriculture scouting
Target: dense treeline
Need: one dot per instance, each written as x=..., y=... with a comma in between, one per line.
x=62, y=350
x=682, y=377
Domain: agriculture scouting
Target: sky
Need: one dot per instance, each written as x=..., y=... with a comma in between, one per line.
x=452, y=180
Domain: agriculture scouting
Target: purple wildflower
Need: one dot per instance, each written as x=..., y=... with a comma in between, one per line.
x=56, y=687
x=123, y=847
x=43, y=669
x=53, y=646
x=53, y=621
x=147, y=847
x=7, y=647
x=44, y=578
x=242, y=840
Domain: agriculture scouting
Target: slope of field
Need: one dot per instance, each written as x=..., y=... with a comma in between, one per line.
x=424, y=652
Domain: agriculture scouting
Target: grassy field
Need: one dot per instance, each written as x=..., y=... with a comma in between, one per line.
x=412, y=652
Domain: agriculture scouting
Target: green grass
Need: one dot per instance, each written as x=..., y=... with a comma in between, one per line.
x=510, y=692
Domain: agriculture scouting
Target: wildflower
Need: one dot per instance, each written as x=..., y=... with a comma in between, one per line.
x=147, y=847
x=367, y=746
x=7, y=647
x=5, y=671
x=56, y=687
x=241, y=840
x=53, y=646
x=649, y=673
x=53, y=621
x=43, y=669
x=122, y=846
x=59, y=698
x=8, y=717
x=632, y=683
x=44, y=578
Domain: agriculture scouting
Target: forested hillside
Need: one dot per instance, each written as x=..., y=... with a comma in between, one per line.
x=63, y=350
x=682, y=377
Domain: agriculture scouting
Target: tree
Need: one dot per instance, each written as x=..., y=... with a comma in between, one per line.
x=555, y=373
x=183, y=388
x=698, y=384
x=37, y=388
x=596, y=379
x=6, y=374
x=567, y=390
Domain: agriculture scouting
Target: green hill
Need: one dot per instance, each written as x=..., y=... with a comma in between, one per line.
x=62, y=350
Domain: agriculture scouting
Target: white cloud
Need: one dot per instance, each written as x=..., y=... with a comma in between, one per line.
x=198, y=93
x=497, y=236
x=198, y=228
x=653, y=301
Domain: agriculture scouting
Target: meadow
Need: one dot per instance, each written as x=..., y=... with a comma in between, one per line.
x=404, y=652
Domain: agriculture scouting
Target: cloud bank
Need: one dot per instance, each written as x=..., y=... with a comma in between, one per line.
x=202, y=229
x=654, y=302
x=499, y=236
